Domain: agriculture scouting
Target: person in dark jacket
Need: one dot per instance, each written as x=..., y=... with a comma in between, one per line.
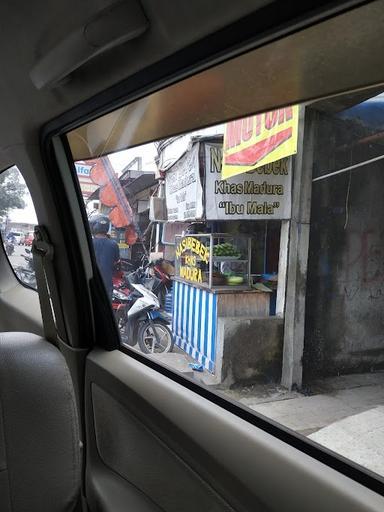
x=106, y=250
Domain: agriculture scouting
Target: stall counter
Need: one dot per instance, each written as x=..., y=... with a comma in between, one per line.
x=196, y=309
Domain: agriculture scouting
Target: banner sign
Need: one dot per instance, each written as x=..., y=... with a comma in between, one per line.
x=259, y=140
x=262, y=194
x=183, y=190
x=87, y=186
x=83, y=169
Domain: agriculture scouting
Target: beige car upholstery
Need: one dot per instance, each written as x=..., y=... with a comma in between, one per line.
x=155, y=445
x=39, y=432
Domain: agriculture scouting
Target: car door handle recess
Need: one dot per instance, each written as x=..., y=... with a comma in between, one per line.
x=113, y=26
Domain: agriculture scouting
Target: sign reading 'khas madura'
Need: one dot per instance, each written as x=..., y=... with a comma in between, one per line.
x=264, y=193
x=258, y=140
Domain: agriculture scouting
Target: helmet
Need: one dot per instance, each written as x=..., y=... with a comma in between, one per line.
x=99, y=224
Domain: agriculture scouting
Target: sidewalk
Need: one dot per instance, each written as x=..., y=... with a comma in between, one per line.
x=359, y=437
x=344, y=414
x=329, y=400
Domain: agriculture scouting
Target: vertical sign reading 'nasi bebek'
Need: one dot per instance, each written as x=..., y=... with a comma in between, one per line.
x=190, y=254
x=258, y=140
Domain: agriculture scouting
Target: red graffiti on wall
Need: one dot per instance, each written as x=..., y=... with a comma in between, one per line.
x=365, y=257
x=364, y=265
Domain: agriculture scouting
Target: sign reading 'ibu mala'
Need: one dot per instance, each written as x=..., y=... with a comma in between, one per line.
x=261, y=194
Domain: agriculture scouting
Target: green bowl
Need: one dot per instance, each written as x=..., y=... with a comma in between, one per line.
x=235, y=280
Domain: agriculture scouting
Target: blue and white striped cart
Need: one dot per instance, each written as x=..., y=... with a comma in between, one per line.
x=196, y=311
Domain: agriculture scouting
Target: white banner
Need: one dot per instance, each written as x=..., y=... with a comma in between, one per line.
x=262, y=194
x=183, y=191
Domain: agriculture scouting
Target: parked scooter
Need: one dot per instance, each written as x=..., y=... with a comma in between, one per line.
x=140, y=318
x=161, y=270
x=26, y=273
x=120, y=305
x=28, y=259
x=9, y=248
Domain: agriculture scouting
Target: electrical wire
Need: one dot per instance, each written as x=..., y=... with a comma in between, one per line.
x=347, y=201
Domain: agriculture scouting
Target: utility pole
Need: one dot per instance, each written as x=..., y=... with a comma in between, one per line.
x=298, y=245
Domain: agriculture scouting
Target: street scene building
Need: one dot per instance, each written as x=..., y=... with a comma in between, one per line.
x=261, y=263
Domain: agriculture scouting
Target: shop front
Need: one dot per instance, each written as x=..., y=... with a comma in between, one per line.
x=212, y=281
x=228, y=269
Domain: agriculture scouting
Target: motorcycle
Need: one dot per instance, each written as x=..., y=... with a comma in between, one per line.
x=120, y=304
x=28, y=259
x=161, y=271
x=9, y=248
x=26, y=274
x=141, y=320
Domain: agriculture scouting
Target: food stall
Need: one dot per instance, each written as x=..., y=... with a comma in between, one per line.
x=212, y=280
x=235, y=187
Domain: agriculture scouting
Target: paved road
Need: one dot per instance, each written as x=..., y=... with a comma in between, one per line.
x=16, y=259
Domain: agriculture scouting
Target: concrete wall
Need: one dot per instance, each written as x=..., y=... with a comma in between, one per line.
x=251, y=350
x=345, y=289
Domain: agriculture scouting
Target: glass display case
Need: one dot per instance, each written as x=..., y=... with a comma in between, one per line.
x=214, y=260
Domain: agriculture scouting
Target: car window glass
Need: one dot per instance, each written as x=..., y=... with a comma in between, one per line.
x=18, y=219
x=249, y=255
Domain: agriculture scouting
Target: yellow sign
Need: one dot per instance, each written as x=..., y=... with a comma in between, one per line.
x=194, y=245
x=189, y=269
x=258, y=140
x=191, y=274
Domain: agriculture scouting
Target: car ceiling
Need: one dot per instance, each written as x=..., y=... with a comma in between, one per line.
x=30, y=29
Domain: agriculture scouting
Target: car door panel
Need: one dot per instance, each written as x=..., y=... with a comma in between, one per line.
x=109, y=491
x=183, y=452
x=147, y=461
x=138, y=442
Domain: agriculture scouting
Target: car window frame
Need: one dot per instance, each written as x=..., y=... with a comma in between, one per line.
x=106, y=102
x=332, y=459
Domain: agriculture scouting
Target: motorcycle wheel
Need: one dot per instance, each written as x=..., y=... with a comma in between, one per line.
x=147, y=339
x=122, y=325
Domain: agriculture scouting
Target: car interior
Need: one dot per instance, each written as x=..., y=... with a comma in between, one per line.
x=87, y=423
